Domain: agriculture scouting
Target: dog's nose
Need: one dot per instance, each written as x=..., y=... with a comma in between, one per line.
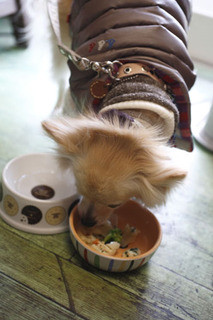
x=88, y=221
x=87, y=218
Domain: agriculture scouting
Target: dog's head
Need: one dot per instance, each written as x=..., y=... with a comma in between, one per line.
x=112, y=164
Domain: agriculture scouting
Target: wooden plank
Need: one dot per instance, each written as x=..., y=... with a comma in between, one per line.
x=32, y=266
x=162, y=288
x=188, y=219
x=195, y=195
x=59, y=244
x=84, y=293
x=100, y=299
x=186, y=260
x=186, y=246
x=19, y=302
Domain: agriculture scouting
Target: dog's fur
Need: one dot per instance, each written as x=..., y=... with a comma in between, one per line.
x=111, y=163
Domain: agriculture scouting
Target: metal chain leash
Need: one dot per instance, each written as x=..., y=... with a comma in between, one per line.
x=82, y=63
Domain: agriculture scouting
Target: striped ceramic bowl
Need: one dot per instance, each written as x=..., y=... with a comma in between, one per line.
x=148, y=240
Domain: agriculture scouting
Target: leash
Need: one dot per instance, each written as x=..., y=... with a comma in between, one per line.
x=82, y=63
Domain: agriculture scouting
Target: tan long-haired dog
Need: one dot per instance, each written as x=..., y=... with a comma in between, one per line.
x=112, y=164
x=115, y=160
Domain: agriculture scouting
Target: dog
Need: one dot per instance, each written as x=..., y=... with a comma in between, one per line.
x=119, y=135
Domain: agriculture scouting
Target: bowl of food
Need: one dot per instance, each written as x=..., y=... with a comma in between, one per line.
x=122, y=245
x=37, y=192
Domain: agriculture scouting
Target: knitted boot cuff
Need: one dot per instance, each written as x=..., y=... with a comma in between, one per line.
x=145, y=100
x=144, y=113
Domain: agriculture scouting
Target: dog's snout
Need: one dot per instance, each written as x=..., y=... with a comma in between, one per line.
x=87, y=217
x=88, y=221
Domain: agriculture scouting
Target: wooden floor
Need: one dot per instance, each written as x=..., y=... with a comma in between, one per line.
x=42, y=277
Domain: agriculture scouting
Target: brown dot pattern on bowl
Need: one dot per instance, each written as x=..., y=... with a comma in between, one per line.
x=43, y=192
x=33, y=214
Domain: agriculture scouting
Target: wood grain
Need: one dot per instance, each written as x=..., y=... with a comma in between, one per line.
x=20, y=302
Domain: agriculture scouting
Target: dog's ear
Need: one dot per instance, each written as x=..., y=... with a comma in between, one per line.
x=154, y=188
x=167, y=180
x=74, y=134
x=64, y=133
x=168, y=177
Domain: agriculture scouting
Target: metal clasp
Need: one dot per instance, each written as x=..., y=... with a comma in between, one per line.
x=85, y=64
x=108, y=67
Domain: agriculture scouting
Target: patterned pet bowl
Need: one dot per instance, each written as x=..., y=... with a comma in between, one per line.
x=38, y=190
x=148, y=240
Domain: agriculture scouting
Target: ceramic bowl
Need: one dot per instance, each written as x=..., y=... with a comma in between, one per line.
x=37, y=193
x=148, y=240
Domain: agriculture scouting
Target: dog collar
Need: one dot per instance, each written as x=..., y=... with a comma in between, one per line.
x=121, y=72
x=132, y=69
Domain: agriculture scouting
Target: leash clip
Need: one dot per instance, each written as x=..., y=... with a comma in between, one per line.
x=84, y=64
x=109, y=68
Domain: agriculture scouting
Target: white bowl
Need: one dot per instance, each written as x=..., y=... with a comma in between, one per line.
x=38, y=190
